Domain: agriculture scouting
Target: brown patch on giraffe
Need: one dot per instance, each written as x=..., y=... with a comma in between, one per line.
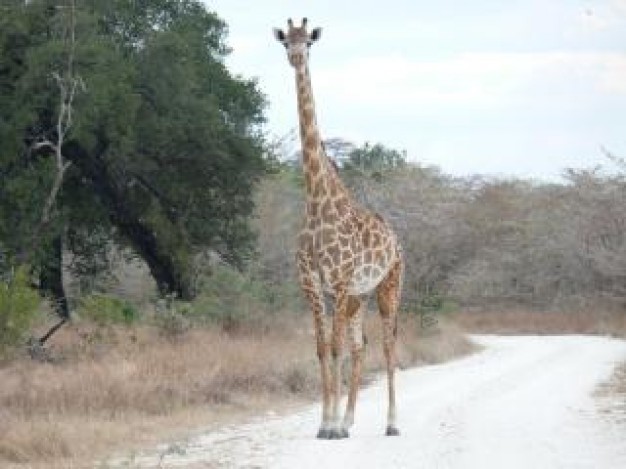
x=329, y=235
x=366, y=237
x=302, y=132
x=376, y=241
x=345, y=255
x=344, y=229
x=307, y=116
x=333, y=188
x=334, y=253
x=306, y=158
x=314, y=166
x=313, y=209
x=344, y=241
x=308, y=177
x=327, y=209
x=342, y=206
x=378, y=256
x=310, y=143
x=331, y=218
x=318, y=189
x=306, y=239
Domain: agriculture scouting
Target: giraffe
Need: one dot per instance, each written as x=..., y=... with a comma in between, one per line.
x=344, y=252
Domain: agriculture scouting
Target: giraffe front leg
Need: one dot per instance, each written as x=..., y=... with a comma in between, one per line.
x=312, y=290
x=323, y=354
x=355, y=328
x=338, y=339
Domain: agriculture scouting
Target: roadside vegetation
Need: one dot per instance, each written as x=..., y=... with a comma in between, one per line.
x=147, y=226
x=112, y=383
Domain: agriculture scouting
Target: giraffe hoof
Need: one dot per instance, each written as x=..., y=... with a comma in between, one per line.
x=324, y=434
x=338, y=434
x=392, y=431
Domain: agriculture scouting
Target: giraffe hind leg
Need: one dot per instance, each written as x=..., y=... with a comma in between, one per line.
x=388, y=296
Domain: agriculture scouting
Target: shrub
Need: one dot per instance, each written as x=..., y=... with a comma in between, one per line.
x=19, y=306
x=105, y=310
x=232, y=299
x=172, y=318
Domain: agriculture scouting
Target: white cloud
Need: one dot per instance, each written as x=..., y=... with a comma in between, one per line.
x=613, y=77
x=473, y=80
x=603, y=16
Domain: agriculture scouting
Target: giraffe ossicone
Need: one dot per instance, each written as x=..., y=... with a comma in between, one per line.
x=344, y=252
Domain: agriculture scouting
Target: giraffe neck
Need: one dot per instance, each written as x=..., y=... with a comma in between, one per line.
x=321, y=180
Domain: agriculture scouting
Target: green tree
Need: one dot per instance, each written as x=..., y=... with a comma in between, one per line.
x=165, y=143
x=374, y=158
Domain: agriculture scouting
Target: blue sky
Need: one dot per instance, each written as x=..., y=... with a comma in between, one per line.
x=515, y=88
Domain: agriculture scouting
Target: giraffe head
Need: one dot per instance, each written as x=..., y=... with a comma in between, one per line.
x=297, y=41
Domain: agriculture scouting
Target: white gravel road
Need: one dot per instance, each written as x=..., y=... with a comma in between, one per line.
x=522, y=402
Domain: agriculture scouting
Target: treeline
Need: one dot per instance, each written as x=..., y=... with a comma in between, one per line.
x=477, y=241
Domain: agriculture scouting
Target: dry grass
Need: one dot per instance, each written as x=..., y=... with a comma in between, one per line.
x=119, y=389
x=511, y=321
x=132, y=387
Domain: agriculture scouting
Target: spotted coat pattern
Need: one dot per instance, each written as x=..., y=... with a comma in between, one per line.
x=344, y=252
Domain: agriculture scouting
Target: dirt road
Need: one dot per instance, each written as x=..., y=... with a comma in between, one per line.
x=521, y=402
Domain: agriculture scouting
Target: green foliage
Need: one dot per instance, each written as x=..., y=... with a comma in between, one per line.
x=106, y=310
x=428, y=308
x=374, y=159
x=19, y=306
x=165, y=143
x=233, y=299
x=172, y=318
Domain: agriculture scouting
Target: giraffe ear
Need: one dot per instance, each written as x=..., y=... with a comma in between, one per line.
x=316, y=34
x=279, y=34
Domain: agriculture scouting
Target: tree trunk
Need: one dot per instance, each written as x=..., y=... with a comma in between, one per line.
x=51, y=277
x=170, y=273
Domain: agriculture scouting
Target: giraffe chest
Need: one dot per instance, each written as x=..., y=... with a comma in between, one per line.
x=347, y=260
x=371, y=267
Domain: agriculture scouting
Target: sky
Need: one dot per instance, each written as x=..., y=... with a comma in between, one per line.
x=522, y=88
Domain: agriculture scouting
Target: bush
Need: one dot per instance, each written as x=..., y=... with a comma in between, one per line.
x=105, y=310
x=232, y=299
x=172, y=318
x=19, y=306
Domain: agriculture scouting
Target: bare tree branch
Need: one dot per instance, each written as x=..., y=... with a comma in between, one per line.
x=68, y=85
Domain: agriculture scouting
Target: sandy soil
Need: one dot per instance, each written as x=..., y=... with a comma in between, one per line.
x=521, y=402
